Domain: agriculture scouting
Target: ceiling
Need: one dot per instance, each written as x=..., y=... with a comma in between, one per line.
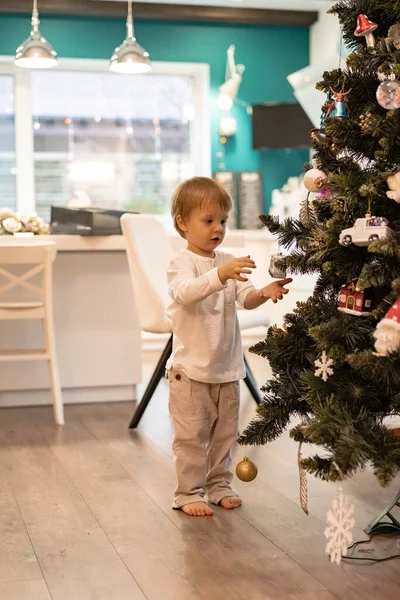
x=310, y=5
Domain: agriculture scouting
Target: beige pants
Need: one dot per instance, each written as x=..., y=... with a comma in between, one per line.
x=205, y=418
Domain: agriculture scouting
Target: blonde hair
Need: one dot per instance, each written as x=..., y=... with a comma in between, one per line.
x=195, y=193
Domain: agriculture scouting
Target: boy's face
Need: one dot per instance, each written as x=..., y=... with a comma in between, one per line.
x=204, y=229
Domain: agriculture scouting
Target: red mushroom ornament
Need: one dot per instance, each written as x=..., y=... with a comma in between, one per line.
x=387, y=333
x=365, y=27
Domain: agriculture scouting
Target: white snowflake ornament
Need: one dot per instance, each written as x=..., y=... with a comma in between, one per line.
x=324, y=367
x=339, y=527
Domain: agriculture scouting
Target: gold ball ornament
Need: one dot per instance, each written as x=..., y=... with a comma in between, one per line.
x=315, y=179
x=246, y=470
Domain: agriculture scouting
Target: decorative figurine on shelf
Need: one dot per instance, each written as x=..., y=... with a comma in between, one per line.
x=364, y=28
x=12, y=223
x=387, y=333
x=354, y=301
x=340, y=109
x=365, y=231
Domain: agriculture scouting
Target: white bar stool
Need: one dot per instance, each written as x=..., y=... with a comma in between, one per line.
x=38, y=258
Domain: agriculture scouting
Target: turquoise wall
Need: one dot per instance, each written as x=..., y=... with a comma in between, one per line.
x=269, y=53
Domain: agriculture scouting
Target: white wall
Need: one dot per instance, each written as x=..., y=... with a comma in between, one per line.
x=324, y=37
x=324, y=56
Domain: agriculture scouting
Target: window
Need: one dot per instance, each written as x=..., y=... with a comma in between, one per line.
x=116, y=141
x=7, y=143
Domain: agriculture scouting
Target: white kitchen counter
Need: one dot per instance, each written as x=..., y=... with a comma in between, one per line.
x=99, y=342
x=114, y=243
x=97, y=332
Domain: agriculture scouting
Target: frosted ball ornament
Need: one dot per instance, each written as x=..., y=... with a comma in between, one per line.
x=388, y=93
x=394, y=36
x=246, y=470
x=315, y=180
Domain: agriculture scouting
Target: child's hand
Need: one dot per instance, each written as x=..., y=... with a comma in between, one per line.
x=234, y=268
x=275, y=290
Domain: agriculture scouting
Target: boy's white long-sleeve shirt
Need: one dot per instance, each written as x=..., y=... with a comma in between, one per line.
x=207, y=343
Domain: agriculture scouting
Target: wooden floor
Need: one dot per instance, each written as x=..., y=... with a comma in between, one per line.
x=86, y=515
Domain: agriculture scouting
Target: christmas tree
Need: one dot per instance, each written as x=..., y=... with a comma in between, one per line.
x=336, y=361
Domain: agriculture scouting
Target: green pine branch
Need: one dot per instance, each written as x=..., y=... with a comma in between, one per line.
x=344, y=415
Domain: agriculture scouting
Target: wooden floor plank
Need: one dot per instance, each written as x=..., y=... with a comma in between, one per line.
x=230, y=543
x=320, y=595
x=79, y=452
x=24, y=590
x=125, y=456
x=46, y=497
x=96, y=502
x=17, y=557
x=257, y=568
x=143, y=536
x=149, y=543
x=275, y=515
x=83, y=565
x=350, y=580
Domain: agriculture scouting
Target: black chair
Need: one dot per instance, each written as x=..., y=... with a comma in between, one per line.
x=159, y=372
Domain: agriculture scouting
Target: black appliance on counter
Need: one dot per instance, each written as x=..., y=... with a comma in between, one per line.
x=277, y=126
x=86, y=221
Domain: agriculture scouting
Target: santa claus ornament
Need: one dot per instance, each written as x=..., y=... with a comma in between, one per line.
x=387, y=332
x=393, y=183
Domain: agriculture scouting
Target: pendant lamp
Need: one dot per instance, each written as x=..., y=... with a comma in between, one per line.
x=35, y=52
x=129, y=57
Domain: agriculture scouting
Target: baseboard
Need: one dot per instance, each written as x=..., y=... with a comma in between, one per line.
x=88, y=395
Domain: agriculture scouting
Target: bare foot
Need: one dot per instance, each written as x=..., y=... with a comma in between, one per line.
x=230, y=502
x=197, y=509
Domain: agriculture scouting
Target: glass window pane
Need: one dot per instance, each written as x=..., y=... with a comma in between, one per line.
x=7, y=143
x=120, y=141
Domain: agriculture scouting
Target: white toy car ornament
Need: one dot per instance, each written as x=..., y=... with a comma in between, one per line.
x=365, y=231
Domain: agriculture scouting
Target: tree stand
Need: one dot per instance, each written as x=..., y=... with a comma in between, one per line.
x=379, y=526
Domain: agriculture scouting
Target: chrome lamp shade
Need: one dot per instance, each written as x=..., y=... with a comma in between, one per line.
x=36, y=53
x=130, y=57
